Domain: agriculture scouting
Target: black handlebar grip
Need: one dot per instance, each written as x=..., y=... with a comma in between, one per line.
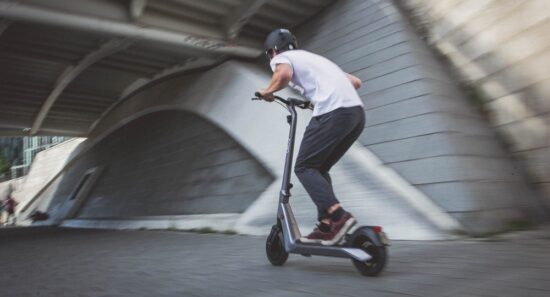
x=257, y=94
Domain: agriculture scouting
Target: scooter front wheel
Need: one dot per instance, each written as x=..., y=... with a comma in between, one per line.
x=378, y=253
x=274, y=247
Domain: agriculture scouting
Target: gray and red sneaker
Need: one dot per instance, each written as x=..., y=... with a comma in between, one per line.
x=316, y=236
x=337, y=230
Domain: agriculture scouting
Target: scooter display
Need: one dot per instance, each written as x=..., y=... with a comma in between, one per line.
x=366, y=246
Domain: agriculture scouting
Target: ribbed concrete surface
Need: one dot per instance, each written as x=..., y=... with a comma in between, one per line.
x=418, y=121
x=371, y=198
x=162, y=164
x=501, y=47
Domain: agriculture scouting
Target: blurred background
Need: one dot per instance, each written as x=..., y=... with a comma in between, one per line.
x=136, y=114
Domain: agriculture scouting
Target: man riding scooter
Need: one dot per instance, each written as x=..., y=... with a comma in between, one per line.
x=337, y=121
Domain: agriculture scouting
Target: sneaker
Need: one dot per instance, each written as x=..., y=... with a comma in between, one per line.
x=338, y=229
x=316, y=236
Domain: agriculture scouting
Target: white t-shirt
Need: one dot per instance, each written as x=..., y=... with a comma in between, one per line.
x=318, y=80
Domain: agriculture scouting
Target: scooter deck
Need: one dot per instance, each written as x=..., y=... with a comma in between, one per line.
x=329, y=251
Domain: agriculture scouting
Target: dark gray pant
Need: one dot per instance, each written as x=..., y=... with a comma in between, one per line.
x=326, y=139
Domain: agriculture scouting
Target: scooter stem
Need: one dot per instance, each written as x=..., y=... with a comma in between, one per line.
x=285, y=187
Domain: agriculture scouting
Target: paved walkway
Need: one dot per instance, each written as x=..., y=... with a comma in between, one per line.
x=72, y=262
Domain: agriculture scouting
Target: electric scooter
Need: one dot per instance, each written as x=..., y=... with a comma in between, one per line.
x=366, y=246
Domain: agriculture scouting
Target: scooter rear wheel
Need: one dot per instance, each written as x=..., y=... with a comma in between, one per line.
x=375, y=265
x=274, y=247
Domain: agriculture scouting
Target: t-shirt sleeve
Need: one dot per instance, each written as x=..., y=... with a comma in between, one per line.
x=279, y=59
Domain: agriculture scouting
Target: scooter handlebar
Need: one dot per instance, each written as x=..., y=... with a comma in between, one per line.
x=291, y=101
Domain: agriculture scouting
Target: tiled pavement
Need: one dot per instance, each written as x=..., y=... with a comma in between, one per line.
x=72, y=262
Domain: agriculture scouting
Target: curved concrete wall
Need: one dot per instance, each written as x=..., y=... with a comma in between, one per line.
x=418, y=122
x=501, y=47
x=170, y=162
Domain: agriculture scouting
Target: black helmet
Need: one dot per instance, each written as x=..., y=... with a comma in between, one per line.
x=279, y=40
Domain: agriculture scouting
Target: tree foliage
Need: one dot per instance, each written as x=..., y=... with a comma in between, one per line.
x=4, y=165
x=11, y=151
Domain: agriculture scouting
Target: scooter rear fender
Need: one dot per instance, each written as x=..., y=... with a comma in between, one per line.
x=369, y=232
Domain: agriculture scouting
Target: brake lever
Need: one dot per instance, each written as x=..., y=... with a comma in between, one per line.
x=307, y=105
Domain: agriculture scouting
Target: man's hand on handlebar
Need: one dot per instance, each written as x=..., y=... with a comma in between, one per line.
x=265, y=95
x=289, y=102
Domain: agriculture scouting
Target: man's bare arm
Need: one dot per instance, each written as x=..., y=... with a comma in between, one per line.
x=355, y=81
x=280, y=79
